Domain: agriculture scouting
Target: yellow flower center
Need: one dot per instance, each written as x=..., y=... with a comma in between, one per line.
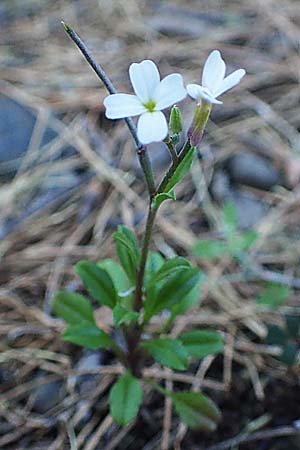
x=150, y=105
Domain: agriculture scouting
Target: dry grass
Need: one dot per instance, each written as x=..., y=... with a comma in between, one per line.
x=42, y=69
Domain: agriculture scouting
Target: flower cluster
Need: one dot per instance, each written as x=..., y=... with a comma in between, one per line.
x=152, y=95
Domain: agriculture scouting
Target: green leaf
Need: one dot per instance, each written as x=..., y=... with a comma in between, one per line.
x=172, y=292
x=98, y=283
x=125, y=398
x=292, y=325
x=72, y=308
x=210, y=249
x=276, y=335
x=160, y=198
x=187, y=302
x=116, y=273
x=229, y=219
x=196, y=410
x=181, y=170
x=247, y=239
x=127, y=251
x=289, y=353
x=154, y=262
x=87, y=335
x=273, y=296
x=169, y=268
x=122, y=315
x=200, y=343
x=168, y=352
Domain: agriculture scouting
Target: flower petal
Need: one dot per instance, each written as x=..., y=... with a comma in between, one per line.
x=169, y=91
x=232, y=80
x=144, y=78
x=213, y=71
x=119, y=106
x=152, y=127
x=196, y=91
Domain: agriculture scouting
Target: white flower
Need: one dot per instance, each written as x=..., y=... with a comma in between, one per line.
x=152, y=96
x=213, y=81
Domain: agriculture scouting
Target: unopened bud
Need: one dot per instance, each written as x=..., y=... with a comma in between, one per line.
x=175, y=122
x=201, y=115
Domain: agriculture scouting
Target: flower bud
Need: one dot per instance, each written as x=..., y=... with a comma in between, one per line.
x=201, y=115
x=175, y=122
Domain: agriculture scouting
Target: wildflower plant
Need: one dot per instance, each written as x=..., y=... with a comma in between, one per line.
x=143, y=284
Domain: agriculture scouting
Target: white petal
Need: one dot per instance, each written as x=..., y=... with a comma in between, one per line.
x=197, y=92
x=119, y=106
x=169, y=91
x=152, y=127
x=144, y=78
x=214, y=71
x=232, y=80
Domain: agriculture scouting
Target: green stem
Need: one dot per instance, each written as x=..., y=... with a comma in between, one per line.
x=172, y=151
x=138, y=300
x=147, y=169
x=172, y=169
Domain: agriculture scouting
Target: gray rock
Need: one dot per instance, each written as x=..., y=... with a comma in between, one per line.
x=47, y=396
x=252, y=170
x=249, y=209
x=17, y=124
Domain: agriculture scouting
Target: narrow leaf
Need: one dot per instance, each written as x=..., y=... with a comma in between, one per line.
x=171, y=292
x=127, y=251
x=154, y=262
x=169, y=268
x=196, y=410
x=125, y=398
x=98, y=283
x=87, y=335
x=168, y=352
x=160, y=198
x=72, y=308
x=181, y=170
x=200, y=343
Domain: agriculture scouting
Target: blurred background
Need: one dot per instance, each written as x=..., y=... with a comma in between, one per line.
x=68, y=177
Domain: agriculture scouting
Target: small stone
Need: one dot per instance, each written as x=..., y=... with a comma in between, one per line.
x=47, y=396
x=252, y=170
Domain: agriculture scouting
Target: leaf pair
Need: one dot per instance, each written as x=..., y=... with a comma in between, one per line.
x=176, y=353
x=194, y=408
x=78, y=313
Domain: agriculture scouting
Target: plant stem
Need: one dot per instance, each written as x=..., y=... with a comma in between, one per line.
x=138, y=300
x=141, y=149
x=186, y=148
x=172, y=151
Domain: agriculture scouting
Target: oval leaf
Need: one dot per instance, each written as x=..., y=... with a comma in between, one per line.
x=72, y=308
x=168, y=352
x=200, y=343
x=87, y=335
x=98, y=283
x=125, y=398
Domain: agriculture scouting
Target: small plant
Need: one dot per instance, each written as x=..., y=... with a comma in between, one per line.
x=144, y=284
x=233, y=243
